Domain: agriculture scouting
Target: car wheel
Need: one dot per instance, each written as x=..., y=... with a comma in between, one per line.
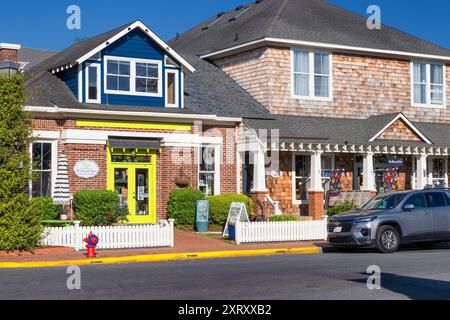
x=388, y=239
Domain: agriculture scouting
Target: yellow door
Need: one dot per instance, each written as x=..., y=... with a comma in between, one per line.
x=135, y=185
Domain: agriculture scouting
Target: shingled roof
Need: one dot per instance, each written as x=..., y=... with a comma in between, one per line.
x=300, y=20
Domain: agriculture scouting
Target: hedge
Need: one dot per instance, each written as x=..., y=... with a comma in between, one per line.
x=182, y=206
x=98, y=208
x=341, y=207
x=46, y=208
x=283, y=218
x=219, y=206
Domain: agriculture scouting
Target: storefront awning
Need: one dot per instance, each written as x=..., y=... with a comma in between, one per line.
x=153, y=144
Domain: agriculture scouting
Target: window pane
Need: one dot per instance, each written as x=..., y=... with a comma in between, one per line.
x=92, y=83
x=171, y=88
x=437, y=94
x=420, y=93
x=303, y=166
x=208, y=160
x=321, y=86
x=301, y=189
x=206, y=183
x=437, y=74
x=301, y=85
x=112, y=83
x=41, y=187
x=301, y=62
x=141, y=84
x=321, y=63
x=113, y=67
x=42, y=156
x=152, y=85
x=420, y=72
x=141, y=70
x=124, y=68
x=124, y=84
x=152, y=71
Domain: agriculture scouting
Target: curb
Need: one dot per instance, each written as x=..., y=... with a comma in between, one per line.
x=161, y=258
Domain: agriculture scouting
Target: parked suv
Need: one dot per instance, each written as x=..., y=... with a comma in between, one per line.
x=389, y=220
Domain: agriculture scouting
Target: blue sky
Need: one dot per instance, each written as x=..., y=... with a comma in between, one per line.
x=42, y=24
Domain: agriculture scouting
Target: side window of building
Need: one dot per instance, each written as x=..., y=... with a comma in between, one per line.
x=428, y=84
x=435, y=200
x=418, y=200
x=42, y=169
x=208, y=171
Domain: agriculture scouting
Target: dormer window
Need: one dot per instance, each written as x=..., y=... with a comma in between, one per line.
x=139, y=77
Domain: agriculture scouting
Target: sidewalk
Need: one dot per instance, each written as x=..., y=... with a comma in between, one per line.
x=187, y=246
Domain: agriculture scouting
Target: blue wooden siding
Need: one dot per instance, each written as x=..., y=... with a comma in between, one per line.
x=70, y=77
x=135, y=44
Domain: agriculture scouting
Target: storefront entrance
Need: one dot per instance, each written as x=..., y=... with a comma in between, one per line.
x=132, y=175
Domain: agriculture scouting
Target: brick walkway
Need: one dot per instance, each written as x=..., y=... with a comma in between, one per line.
x=185, y=242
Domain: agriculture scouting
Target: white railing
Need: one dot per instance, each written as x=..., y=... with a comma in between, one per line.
x=115, y=237
x=275, y=205
x=281, y=231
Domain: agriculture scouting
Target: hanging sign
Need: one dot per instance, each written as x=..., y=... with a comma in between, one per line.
x=86, y=169
x=238, y=212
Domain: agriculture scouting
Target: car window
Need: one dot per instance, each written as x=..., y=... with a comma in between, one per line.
x=435, y=200
x=447, y=197
x=418, y=200
x=384, y=202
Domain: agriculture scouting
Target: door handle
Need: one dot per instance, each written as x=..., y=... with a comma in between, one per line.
x=427, y=213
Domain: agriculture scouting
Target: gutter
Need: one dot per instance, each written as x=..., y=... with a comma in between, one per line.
x=126, y=114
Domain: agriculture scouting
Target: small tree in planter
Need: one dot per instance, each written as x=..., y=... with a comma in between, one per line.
x=20, y=224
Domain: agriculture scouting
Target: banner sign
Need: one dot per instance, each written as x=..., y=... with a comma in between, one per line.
x=238, y=212
x=86, y=169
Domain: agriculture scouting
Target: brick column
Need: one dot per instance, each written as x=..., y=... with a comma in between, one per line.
x=316, y=209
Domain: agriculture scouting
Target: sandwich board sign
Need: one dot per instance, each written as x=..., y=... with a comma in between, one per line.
x=238, y=212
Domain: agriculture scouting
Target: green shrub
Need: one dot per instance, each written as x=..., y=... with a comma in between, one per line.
x=341, y=207
x=283, y=218
x=182, y=206
x=46, y=208
x=98, y=208
x=219, y=206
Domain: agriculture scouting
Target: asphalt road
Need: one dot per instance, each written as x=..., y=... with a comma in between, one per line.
x=409, y=274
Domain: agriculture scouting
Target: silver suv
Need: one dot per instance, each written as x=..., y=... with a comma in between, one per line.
x=389, y=220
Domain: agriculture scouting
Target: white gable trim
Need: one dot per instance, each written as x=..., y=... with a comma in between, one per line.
x=408, y=123
x=152, y=35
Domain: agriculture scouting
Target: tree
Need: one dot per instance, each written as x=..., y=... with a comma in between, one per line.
x=20, y=225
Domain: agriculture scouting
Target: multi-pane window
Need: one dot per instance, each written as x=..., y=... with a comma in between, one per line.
x=311, y=74
x=147, y=77
x=207, y=172
x=133, y=76
x=42, y=169
x=428, y=83
x=118, y=75
x=302, y=177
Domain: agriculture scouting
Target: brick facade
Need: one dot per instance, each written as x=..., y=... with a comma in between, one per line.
x=172, y=162
x=9, y=54
x=362, y=85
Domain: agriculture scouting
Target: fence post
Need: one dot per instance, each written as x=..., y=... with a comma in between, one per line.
x=237, y=232
x=77, y=235
x=172, y=232
x=325, y=222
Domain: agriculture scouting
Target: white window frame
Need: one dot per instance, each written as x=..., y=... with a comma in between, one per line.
x=99, y=85
x=312, y=75
x=133, y=63
x=428, y=103
x=217, y=166
x=294, y=180
x=54, y=167
x=177, y=88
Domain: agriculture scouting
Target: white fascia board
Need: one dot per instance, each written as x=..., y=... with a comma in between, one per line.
x=127, y=114
x=98, y=137
x=289, y=43
x=50, y=135
x=408, y=123
x=10, y=46
x=152, y=35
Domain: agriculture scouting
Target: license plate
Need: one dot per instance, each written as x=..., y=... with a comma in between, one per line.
x=337, y=230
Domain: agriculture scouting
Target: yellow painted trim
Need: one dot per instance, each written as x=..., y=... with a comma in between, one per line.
x=133, y=125
x=161, y=258
x=131, y=167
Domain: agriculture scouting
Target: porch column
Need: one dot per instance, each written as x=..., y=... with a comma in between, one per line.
x=259, y=191
x=446, y=172
x=430, y=171
x=421, y=172
x=316, y=192
x=368, y=174
x=414, y=174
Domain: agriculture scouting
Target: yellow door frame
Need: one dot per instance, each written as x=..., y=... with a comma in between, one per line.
x=131, y=168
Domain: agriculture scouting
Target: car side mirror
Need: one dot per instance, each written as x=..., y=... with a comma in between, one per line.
x=409, y=207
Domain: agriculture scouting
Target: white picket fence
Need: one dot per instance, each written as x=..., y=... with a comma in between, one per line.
x=115, y=237
x=254, y=232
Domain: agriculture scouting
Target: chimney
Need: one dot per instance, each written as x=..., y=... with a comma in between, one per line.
x=9, y=52
x=9, y=59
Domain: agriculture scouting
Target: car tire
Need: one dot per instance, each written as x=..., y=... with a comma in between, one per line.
x=388, y=239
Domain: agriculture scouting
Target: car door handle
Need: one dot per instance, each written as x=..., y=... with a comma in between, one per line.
x=427, y=213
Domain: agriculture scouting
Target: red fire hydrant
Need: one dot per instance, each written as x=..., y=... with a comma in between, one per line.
x=91, y=244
